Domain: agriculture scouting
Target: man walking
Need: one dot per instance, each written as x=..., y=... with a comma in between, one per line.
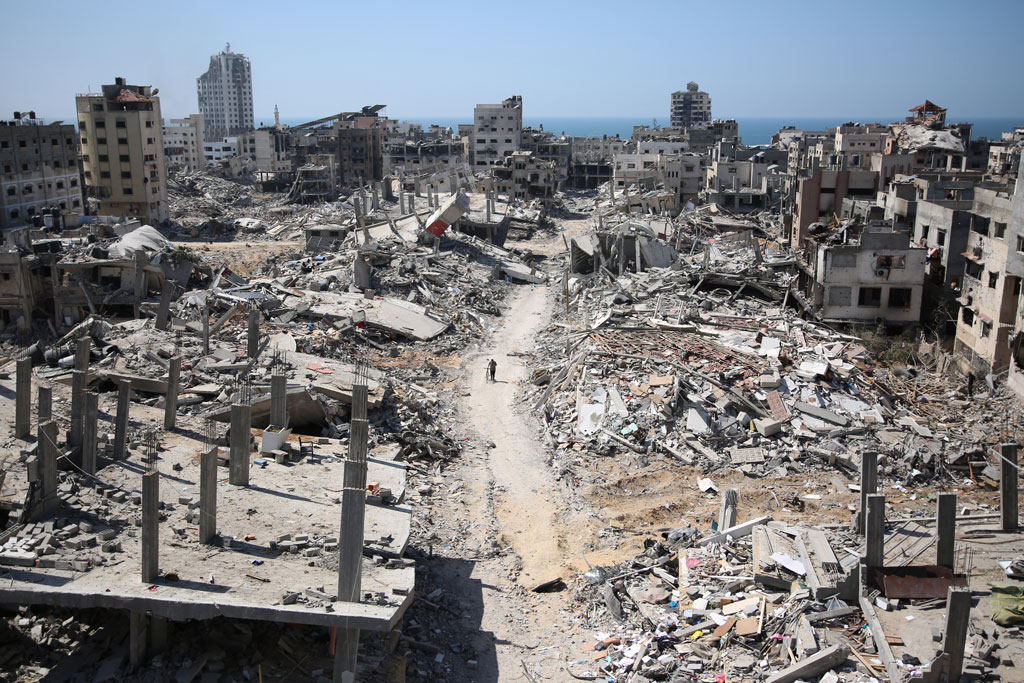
x=491, y=368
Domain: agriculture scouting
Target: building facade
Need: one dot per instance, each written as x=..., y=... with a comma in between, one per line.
x=225, y=95
x=40, y=167
x=123, y=152
x=497, y=132
x=183, y=144
x=690, y=107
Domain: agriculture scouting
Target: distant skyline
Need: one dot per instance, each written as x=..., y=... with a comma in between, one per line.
x=568, y=59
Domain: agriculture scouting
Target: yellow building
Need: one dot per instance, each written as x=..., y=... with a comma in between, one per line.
x=121, y=136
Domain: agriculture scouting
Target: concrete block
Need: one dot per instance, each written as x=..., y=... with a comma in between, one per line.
x=766, y=427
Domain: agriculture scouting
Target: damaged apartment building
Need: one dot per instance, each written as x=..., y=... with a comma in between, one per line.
x=40, y=164
x=866, y=274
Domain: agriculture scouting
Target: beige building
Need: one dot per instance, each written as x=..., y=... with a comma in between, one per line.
x=123, y=152
x=40, y=170
x=183, y=143
x=497, y=132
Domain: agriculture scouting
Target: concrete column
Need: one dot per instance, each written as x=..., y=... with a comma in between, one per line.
x=79, y=378
x=89, y=427
x=83, y=347
x=376, y=197
x=158, y=628
x=1008, y=483
x=946, y=518
x=206, y=329
x=401, y=203
x=412, y=203
x=150, y=526
x=346, y=653
x=350, y=548
x=875, y=531
x=253, y=345
x=171, y=399
x=23, y=398
x=727, y=515
x=47, y=450
x=958, y=616
x=141, y=260
x=208, y=495
x=44, y=409
x=278, y=400
x=124, y=395
x=163, y=313
x=138, y=638
x=241, y=424
x=868, y=484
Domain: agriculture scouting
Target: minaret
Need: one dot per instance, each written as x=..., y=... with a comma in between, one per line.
x=277, y=118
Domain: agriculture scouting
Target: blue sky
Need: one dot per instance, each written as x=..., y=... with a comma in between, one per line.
x=572, y=58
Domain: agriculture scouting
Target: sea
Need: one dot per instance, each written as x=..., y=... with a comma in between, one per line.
x=753, y=130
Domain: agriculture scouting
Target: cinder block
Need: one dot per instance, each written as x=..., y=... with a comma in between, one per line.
x=766, y=427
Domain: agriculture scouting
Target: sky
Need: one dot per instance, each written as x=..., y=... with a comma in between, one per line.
x=567, y=58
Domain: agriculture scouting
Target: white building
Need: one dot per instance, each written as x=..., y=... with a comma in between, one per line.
x=690, y=107
x=216, y=150
x=183, y=143
x=225, y=95
x=497, y=131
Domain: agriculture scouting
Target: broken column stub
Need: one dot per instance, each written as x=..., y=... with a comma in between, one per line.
x=253, y=341
x=171, y=398
x=124, y=394
x=23, y=398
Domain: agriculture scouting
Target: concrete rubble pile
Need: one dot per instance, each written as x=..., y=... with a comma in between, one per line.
x=701, y=361
x=692, y=608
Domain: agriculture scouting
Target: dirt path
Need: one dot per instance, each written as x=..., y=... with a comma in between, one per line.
x=530, y=507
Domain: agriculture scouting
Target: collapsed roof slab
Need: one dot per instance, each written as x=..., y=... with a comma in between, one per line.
x=391, y=315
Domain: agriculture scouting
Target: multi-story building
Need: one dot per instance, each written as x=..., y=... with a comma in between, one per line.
x=40, y=170
x=497, y=131
x=360, y=154
x=123, y=151
x=274, y=152
x=183, y=144
x=991, y=290
x=225, y=95
x=216, y=150
x=690, y=107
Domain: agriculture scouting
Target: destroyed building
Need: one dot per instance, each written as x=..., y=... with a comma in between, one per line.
x=872, y=277
x=521, y=175
x=184, y=144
